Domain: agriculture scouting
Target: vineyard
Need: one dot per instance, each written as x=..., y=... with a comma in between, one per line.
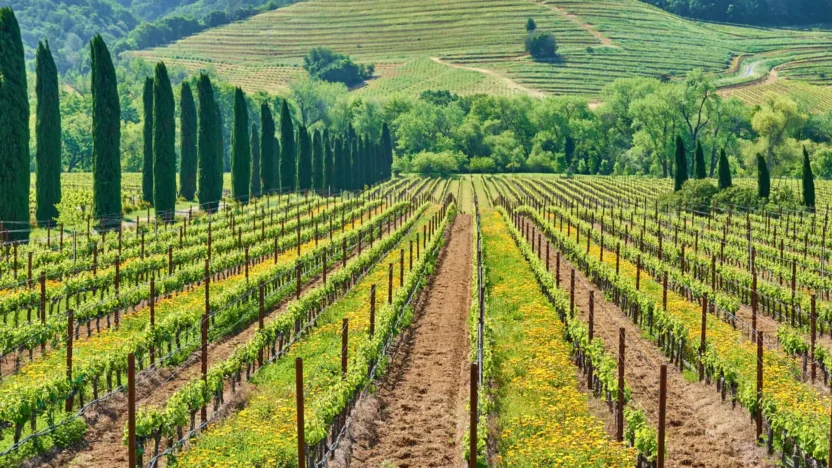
x=597, y=43
x=526, y=320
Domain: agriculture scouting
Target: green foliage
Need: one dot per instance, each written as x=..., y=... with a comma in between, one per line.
x=304, y=159
x=48, y=136
x=434, y=164
x=14, y=129
x=209, y=162
x=241, y=150
x=106, y=137
x=147, y=134
x=338, y=164
x=288, y=154
x=530, y=25
x=808, y=182
x=482, y=165
x=699, y=162
x=268, y=152
x=164, y=145
x=695, y=194
x=763, y=178
x=681, y=174
x=329, y=162
x=739, y=197
x=318, y=175
x=188, y=143
x=256, y=187
x=798, y=12
x=327, y=65
x=724, y=171
x=387, y=150
x=541, y=45
x=69, y=433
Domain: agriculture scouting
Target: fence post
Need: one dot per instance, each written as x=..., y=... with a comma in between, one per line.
x=664, y=291
x=152, y=315
x=43, y=306
x=372, y=310
x=204, y=335
x=299, y=400
x=638, y=273
x=345, y=337
x=132, y=449
x=572, y=293
x=813, y=336
x=759, y=415
x=70, y=325
x=662, y=414
x=472, y=447
x=702, y=341
x=619, y=425
x=411, y=257
x=323, y=260
x=389, y=283
x=754, y=308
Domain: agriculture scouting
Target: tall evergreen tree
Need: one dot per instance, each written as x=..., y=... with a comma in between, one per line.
x=277, y=155
x=359, y=171
x=240, y=150
x=700, y=172
x=724, y=171
x=147, y=133
x=304, y=159
x=681, y=165
x=317, y=161
x=328, y=162
x=255, y=161
x=164, y=145
x=188, y=139
x=763, y=178
x=288, y=151
x=219, y=136
x=268, y=163
x=338, y=165
x=808, y=182
x=47, y=136
x=209, y=160
x=353, y=163
x=106, y=136
x=387, y=147
x=14, y=129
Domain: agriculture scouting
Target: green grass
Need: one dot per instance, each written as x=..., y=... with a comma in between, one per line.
x=598, y=41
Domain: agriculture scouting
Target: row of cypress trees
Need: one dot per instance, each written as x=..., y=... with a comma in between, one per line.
x=724, y=173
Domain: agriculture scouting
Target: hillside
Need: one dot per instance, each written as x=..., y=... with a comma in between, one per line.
x=598, y=42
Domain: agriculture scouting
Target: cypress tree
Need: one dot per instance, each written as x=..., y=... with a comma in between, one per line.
x=387, y=148
x=240, y=150
x=808, y=182
x=188, y=125
x=147, y=133
x=219, y=136
x=255, y=161
x=681, y=165
x=304, y=159
x=288, y=151
x=353, y=163
x=358, y=164
x=106, y=136
x=763, y=179
x=208, y=159
x=700, y=162
x=14, y=128
x=338, y=165
x=48, y=136
x=164, y=145
x=329, y=166
x=268, y=163
x=724, y=171
x=317, y=161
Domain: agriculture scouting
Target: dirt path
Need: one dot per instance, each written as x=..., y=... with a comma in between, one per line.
x=702, y=431
x=604, y=40
x=418, y=415
x=103, y=446
x=508, y=81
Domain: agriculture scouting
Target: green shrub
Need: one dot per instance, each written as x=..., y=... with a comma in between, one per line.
x=695, y=194
x=483, y=165
x=434, y=164
x=324, y=64
x=738, y=197
x=541, y=45
x=69, y=433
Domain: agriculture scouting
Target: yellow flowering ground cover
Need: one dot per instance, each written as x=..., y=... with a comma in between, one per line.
x=265, y=432
x=787, y=402
x=543, y=417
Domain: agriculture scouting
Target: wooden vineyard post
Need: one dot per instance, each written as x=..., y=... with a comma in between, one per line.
x=170, y=260
x=389, y=283
x=401, y=267
x=619, y=416
x=754, y=308
x=261, y=319
x=759, y=415
x=664, y=291
x=70, y=325
x=343, y=253
x=472, y=448
x=572, y=293
x=591, y=335
x=204, y=334
x=132, y=450
x=43, y=306
x=813, y=329
x=152, y=315
x=299, y=402
x=247, y=262
x=372, y=310
x=638, y=273
x=662, y=415
x=275, y=250
x=298, y=274
x=411, y=257
x=547, y=256
x=703, y=336
x=345, y=337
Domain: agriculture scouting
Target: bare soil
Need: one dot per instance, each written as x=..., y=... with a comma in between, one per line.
x=418, y=415
x=702, y=430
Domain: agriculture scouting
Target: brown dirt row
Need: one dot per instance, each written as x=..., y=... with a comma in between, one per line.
x=418, y=415
x=702, y=430
x=103, y=446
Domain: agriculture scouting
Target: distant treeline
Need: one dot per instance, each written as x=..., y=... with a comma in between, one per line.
x=69, y=25
x=755, y=12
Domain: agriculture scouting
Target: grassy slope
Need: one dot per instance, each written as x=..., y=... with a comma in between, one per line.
x=599, y=41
